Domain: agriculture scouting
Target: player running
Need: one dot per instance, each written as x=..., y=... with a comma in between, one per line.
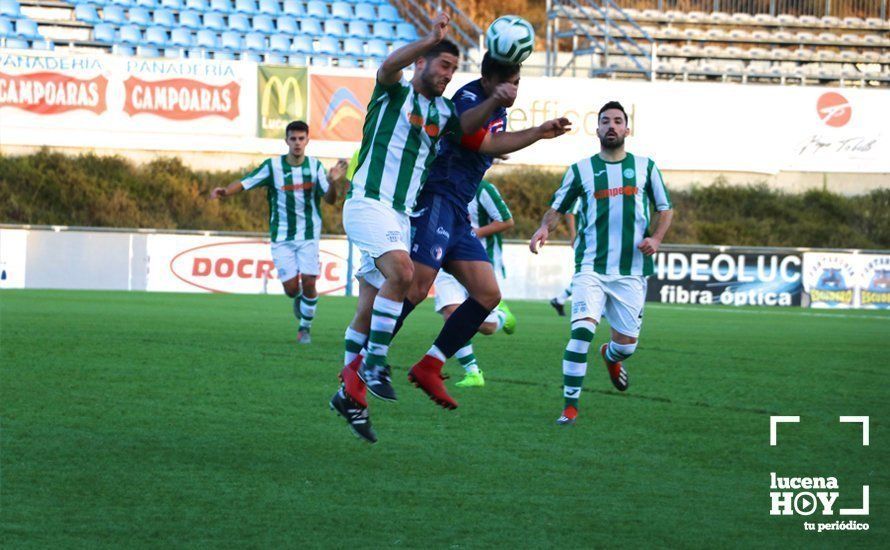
x=295, y=184
x=613, y=251
x=489, y=217
x=404, y=124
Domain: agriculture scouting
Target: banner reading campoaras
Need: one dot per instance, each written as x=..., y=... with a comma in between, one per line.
x=282, y=96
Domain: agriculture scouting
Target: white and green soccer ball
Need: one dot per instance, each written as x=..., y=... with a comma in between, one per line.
x=510, y=39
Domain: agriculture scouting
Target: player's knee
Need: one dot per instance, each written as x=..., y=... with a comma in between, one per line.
x=488, y=328
x=624, y=339
x=309, y=286
x=292, y=287
x=490, y=298
x=401, y=273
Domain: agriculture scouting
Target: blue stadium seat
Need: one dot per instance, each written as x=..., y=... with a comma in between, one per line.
x=172, y=4
x=239, y=22
x=269, y=7
x=190, y=20
x=232, y=41
x=327, y=45
x=139, y=16
x=104, y=33
x=150, y=4
x=119, y=49
x=298, y=60
x=406, y=31
x=147, y=51
x=207, y=39
x=377, y=48
x=155, y=36
x=114, y=14
x=222, y=6
x=347, y=63
x=197, y=5
x=275, y=59
x=264, y=23
x=293, y=7
x=251, y=56
x=399, y=43
x=287, y=25
x=10, y=8
x=17, y=44
x=164, y=18
x=342, y=10
x=382, y=30
x=122, y=4
x=255, y=42
x=387, y=12
x=335, y=28
x=358, y=29
x=246, y=6
x=215, y=21
x=225, y=56
x=279, y=43
x=45, y=45
x=373, y=62
x=312, y=27
x=130, y=34
x=354, y=46
x=95, y=3
x=181, y=38
x=320, y=61
x=6, y=28
x=27, y=28
x=318, y=9
x=174, y=53
x=365, y=12
x=302, y=43
x=86, y=13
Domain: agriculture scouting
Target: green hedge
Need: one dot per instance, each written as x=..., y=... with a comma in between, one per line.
x=88, y=190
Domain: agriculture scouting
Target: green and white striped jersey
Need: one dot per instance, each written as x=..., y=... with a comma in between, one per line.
x=613, y=217
x=294, y=194
x=488, y=206
x=399, y=140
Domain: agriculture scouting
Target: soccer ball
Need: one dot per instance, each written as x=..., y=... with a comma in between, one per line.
x=510, y=39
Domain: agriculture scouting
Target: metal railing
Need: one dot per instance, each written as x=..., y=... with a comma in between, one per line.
x=602, y=25
x=464, y=31
x=817, y=8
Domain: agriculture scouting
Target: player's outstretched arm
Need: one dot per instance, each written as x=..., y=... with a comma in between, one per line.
x=336, y=176
x=508, y=142
x=494, y=228
x=232, y=189
x=390, y=71
x=539, y=239
x=649, y=246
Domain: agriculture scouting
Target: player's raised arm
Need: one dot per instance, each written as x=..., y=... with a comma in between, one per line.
x=390, y=72
x=336, y=176
x=508, y=142
x=475, y=118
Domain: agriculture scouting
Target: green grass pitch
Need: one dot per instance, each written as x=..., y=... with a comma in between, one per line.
x=133, y=419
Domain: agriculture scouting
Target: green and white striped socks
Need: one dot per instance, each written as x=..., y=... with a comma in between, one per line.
x=574, y=360
x=384, y=315
x=354, y=341
x=307, y=311
x=467, y=359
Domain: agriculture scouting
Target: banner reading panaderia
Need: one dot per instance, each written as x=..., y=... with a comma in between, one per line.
x=726, y=278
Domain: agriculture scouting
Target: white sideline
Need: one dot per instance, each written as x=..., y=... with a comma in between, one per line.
x=805, y=313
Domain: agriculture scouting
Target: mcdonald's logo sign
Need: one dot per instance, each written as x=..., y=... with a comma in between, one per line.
x=282, y=97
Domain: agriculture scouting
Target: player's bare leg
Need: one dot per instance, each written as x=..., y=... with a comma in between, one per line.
x=618, y=350
x=308, y=300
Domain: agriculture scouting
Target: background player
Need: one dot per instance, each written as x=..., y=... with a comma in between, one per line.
x=559, y=301
x=295, y=183
x=613, y=251
x=489, y=217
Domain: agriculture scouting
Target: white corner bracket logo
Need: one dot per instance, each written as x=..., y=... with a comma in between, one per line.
x=804, y=496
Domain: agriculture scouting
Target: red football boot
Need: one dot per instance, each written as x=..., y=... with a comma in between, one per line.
x=616, y=371
x=427, y=375
x=352, y=384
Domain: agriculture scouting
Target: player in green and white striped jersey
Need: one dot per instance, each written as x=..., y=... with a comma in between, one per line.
x=404, y=123
x=489, y=217
x=613, y=251
x=295, y=184
x=558, y=302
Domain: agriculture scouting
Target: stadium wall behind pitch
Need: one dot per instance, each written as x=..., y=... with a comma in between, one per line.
x=235, y=112
x=156, y=261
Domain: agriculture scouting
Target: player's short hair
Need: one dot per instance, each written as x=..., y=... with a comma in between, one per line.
x=491, y=67
x=445, y=46
x=296, y=126
x=613, y=105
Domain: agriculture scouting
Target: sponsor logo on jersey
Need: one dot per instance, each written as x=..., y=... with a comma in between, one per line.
x=615, y=191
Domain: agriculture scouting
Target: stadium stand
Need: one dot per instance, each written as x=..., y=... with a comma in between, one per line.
x=321, y=33
x=598, y=37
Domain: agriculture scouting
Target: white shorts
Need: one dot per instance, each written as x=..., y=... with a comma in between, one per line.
x=619, y=297
x=375, y=228
x=449, y=292
x=295, y=257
